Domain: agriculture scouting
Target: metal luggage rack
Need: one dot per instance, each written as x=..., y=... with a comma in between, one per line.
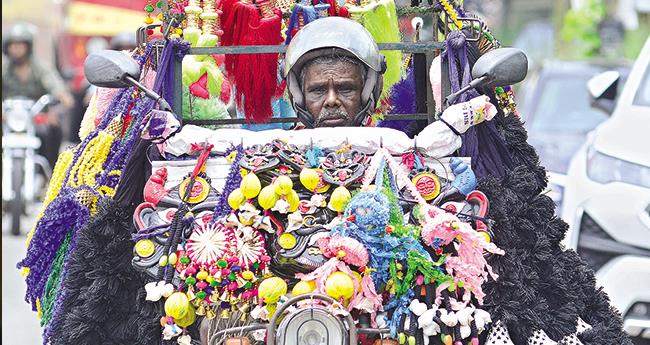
x=424, y=52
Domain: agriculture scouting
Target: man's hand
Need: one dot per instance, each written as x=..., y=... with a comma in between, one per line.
x=52, y=118
x=66, y=100
x=461, y=116
x=442, y=138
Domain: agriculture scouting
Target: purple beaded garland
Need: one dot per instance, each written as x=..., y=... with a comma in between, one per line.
x=54, y=225
x=232, y=182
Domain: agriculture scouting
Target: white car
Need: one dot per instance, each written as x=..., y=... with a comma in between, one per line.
x=607, y=196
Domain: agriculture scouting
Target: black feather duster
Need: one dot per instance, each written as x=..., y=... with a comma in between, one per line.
x=540, y=285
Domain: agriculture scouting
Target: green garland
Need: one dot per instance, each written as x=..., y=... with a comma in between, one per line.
x=54, y=281
x=417, y=263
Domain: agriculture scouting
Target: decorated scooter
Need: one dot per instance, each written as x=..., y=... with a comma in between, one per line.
x=410, y=241
x=176, y=233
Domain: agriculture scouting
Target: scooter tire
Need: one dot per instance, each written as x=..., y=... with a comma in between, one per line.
x=17, y=205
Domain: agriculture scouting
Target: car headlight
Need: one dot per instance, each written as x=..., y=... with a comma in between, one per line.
x=311, y=326
x=605, y=169
x=17, y=121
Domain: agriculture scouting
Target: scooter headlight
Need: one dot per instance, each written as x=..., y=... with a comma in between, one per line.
x=17, y=121
x=311, y=326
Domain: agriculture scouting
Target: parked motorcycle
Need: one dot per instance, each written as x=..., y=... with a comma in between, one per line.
x=19, y=154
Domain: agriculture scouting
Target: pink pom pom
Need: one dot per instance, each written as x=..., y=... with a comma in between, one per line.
x=191, y=270
x=347, y=249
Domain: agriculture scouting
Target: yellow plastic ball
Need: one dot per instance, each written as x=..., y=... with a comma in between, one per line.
x=202, y=275
x=287, y=240
x=309, y=178
x=177, y=305
x=267, y=197
x=283, y=185
x=358, y=277
x=486, y=236
x=250, y=186
x=188, y=319
x=271, y=289
x=340, y=197
x=236, y=199
x=173, y=258
x=248, y=275
x=293, y=200
x=303, y=287
x=339, y=285
x=148, y=20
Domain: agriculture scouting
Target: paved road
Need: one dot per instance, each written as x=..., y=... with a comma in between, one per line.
x=19, y=324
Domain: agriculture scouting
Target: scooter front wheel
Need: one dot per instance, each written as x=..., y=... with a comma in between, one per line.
x=17, y=204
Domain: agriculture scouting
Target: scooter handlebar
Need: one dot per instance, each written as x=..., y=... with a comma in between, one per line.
x=41, y=103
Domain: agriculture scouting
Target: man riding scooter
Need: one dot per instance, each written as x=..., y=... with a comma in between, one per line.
x=23, y=76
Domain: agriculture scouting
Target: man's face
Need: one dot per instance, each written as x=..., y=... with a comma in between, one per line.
x=17, y=50
x=333, y=92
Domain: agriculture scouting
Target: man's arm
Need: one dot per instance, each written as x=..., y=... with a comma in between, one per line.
x=441, y=138
x=55, y=86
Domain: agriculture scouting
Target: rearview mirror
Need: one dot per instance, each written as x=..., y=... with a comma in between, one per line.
x=498, y=67
x=603, y=89
x=501, y=67
x=603, y=85
x=114, y=69
x=111, y=68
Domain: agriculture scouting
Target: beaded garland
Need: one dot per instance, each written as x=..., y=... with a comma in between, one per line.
x=81, y=176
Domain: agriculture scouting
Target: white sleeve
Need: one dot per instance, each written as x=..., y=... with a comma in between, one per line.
x=438, y=140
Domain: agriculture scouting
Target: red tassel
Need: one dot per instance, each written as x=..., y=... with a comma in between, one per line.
x=279, y=91
x=254, y=76
x=343, y=12
x=332, y=9
x=224, y=96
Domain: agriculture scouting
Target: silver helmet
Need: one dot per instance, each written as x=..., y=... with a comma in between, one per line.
x=21, y=32
x=334, y=35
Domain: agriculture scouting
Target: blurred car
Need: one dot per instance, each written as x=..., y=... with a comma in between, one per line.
x=537, y=40
x=607, y=196
x=555, y=107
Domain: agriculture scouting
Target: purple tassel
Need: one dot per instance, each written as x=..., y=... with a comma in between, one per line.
x=57, y=311
x=174, y=49
x=483, y=142
x=62, y=215
x=402, y=100
x=456, y=50
x=402, y=94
